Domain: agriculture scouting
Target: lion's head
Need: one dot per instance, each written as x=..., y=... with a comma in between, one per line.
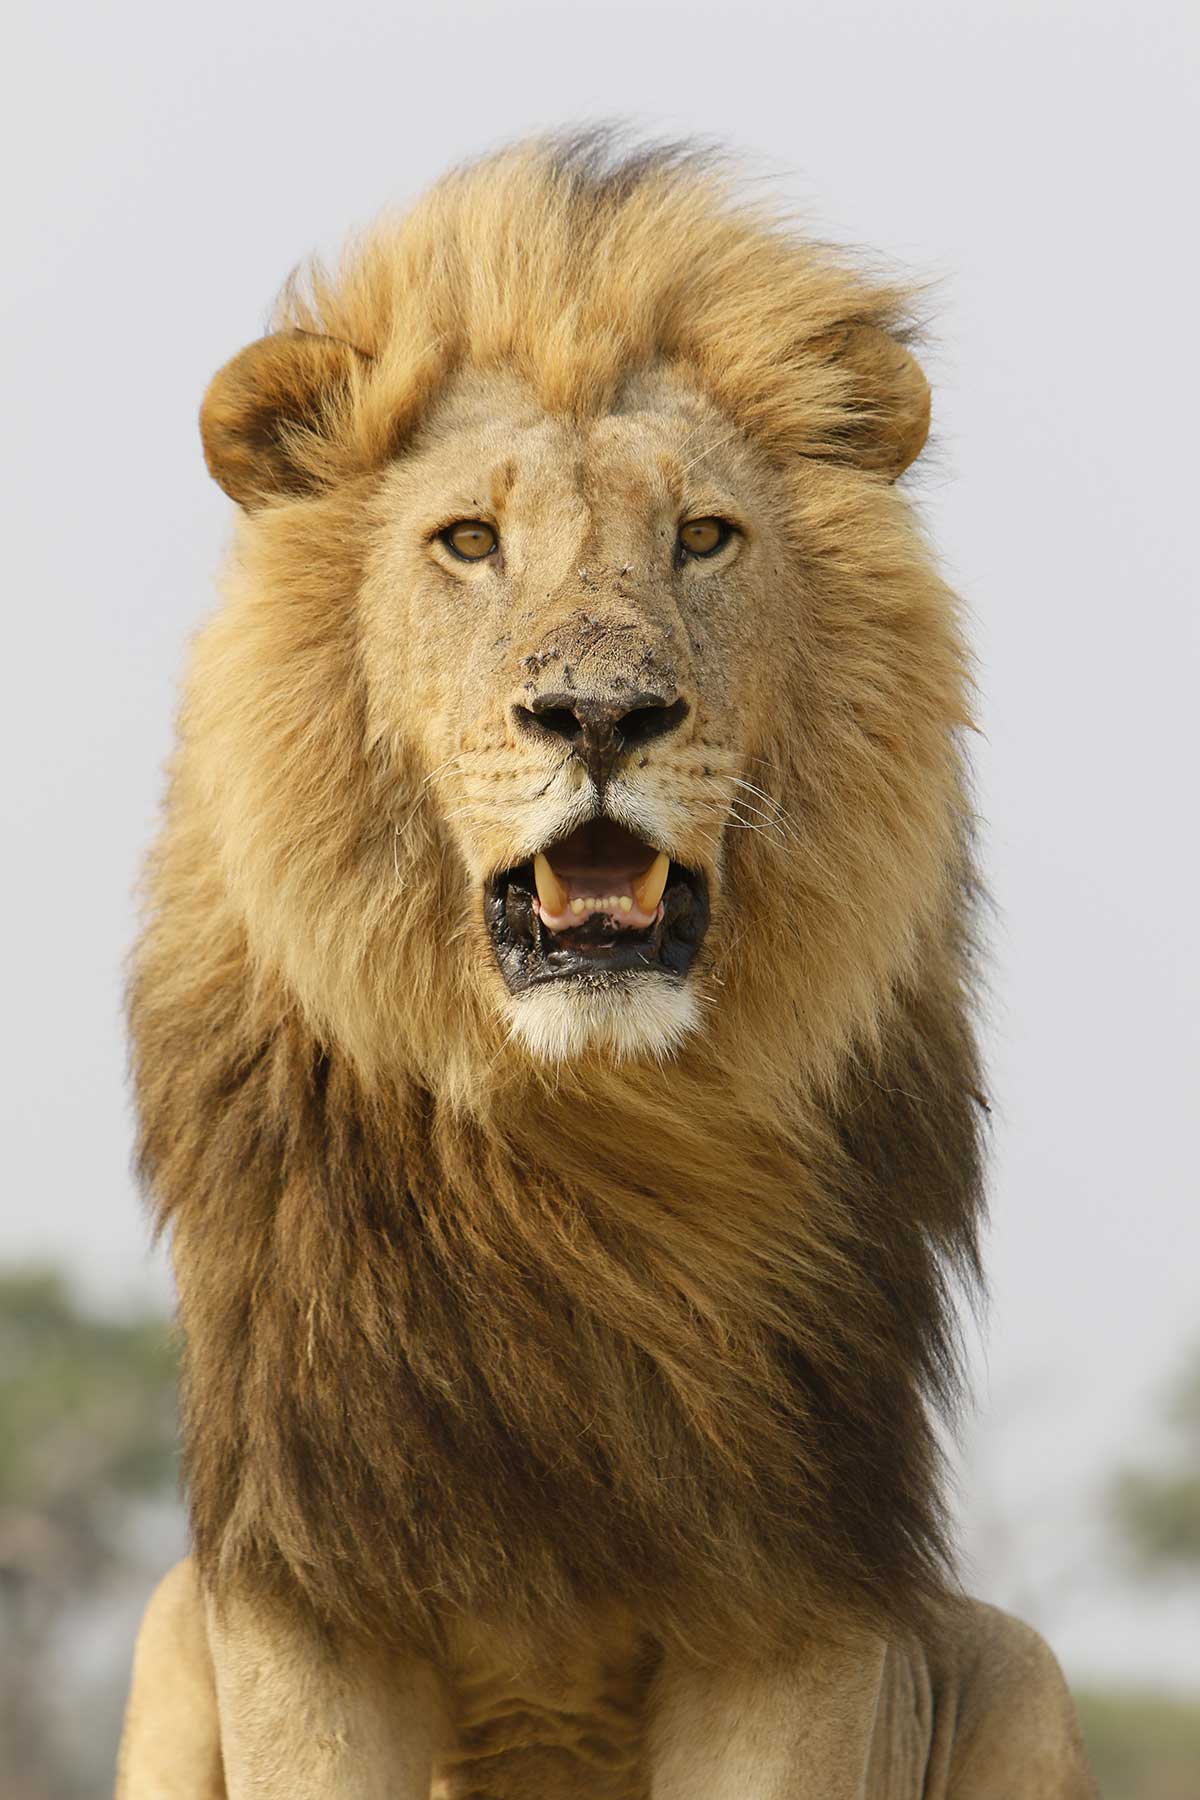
x=583, y=683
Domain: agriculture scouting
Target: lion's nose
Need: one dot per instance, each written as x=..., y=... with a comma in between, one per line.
x=599, y=728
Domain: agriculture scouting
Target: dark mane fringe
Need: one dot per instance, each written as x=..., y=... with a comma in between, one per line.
x=606, y=162
x=578, y=1375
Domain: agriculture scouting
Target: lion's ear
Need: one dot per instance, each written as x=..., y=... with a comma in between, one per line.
x=887, y=422
x=259, y=406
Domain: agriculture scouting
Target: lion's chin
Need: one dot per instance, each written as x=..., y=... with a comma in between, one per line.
x=633, y=1016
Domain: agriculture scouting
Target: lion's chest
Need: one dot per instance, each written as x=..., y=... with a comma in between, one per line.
x=569, y=1727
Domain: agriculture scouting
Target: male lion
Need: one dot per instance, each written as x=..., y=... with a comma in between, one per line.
x=552, y=1043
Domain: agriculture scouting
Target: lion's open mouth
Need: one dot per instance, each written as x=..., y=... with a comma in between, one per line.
x=596, y=905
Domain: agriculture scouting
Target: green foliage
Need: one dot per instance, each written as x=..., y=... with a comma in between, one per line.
x=1158, y=1512
x=87, y=1404
x=87, y=1439
x=1160, y=1517
x=1142, y=1746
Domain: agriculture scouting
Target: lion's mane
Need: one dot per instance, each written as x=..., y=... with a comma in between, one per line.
x=464, y=1335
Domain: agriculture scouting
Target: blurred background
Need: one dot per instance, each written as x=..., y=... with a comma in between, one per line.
x=1036, y=161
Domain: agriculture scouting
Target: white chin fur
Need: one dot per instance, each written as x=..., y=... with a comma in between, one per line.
x=647, y=1015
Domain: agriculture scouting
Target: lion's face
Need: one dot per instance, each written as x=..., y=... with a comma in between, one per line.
x=577, y=627
x=584, y=687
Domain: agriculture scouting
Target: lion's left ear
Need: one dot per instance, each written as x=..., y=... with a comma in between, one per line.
x=887, y=421
x=260, y=405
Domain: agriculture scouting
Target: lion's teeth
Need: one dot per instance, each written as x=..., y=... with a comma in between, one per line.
x=556, y=901
x=648, y=888
x=550, y=890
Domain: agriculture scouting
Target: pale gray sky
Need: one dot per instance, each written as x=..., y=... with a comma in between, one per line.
x=168, y=166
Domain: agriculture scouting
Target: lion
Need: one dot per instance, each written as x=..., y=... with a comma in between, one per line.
x=552, y=1035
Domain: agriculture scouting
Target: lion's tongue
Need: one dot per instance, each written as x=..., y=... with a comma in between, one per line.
x=568, y=897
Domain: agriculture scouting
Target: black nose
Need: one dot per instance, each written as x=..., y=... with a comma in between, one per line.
x=599, y=729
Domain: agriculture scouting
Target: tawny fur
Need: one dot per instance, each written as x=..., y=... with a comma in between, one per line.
x=977, y=1712
x=658, y=1325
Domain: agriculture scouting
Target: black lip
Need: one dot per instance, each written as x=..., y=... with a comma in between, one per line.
x=598, y=952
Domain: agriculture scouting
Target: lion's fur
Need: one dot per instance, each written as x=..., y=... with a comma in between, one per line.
x=979, y=1711
x=467, y=1335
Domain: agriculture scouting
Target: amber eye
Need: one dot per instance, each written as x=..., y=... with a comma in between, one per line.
x=704, y=537
x=470, y=538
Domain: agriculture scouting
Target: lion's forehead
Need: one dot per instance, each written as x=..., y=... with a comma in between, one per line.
x=655, y=445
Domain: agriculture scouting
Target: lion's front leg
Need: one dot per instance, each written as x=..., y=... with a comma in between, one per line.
x=171, y=1743
x=303, y=1717
x=800, y=1731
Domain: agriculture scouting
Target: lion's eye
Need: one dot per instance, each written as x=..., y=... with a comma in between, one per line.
x=470, y=538
x=704, y=537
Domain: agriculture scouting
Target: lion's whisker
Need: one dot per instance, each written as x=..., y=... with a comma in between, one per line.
x=458, y=757
x=418, y=802
x=767, y=821
x=769, y=799
x=779, y=812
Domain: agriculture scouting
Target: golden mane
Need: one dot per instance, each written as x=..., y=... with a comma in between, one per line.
x=552, y=262
x=464, y=1334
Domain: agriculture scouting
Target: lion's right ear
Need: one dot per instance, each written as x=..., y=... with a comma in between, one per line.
x=886, y=423
x=260, y=407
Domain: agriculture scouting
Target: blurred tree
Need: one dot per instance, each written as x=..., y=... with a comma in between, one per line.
x=1158, y=1511
x=1143, y=1746
x=87, y=1430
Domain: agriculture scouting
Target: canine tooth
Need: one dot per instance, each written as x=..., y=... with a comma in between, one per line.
x=648, y=888
x=625, y=903
x=550, y=890
x=577, y=907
